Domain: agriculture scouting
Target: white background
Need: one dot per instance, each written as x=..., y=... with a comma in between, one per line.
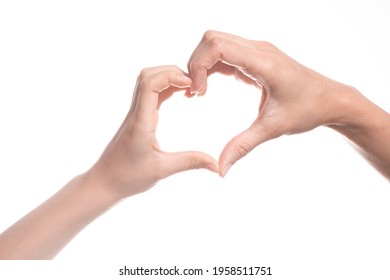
x=307, y=205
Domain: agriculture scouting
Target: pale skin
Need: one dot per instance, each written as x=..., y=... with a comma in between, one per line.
x=132, y=163
x=295, y=99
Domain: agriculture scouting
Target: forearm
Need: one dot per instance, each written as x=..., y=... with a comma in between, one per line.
x=131, y=163
x=42, y=233
x=368, y=127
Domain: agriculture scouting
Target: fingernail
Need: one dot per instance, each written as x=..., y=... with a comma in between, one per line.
x=225, y=169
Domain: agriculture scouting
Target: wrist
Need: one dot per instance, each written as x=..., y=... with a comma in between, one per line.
x=111, y=184
x=98, y=187
x=349, y=109
x=354, y=114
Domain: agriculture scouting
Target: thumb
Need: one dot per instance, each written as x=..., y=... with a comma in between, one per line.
x=239, y=147
x=183, y=161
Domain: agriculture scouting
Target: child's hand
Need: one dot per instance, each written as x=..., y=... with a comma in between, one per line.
x=133, y=161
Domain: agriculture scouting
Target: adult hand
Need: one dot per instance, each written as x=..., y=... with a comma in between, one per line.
x=295, y=98
x=133, y=161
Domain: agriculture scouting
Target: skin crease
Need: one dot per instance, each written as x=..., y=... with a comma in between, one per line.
x=133, y=161
x=291, y=93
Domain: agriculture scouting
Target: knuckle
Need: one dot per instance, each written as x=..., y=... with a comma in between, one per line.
x=214, y=40
x=216, y=43
x=243, y=149
x=194, y=163
x=268, y=57
x=266, y=45
x=146, y=78
x=270, y=63
x=144, y=73
x=209, y=34
x=144, y=83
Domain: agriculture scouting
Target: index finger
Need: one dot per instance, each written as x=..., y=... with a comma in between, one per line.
x=217, y=46
x=153, y=82
x=211, y=34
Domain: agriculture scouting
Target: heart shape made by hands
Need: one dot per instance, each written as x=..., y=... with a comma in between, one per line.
x=207, y=123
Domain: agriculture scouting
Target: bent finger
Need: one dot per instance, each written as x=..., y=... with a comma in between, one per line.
x=151, y=86
x=219, y=50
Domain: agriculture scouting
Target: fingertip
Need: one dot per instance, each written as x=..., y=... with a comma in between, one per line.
x=182, y=81
x=213, y=167
x=226, y=160
x=239, y=147
x=199, y=81
x=197, y=90
x=188, y=93
x=194, y=91
x=207, y=162
x=224, y=169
